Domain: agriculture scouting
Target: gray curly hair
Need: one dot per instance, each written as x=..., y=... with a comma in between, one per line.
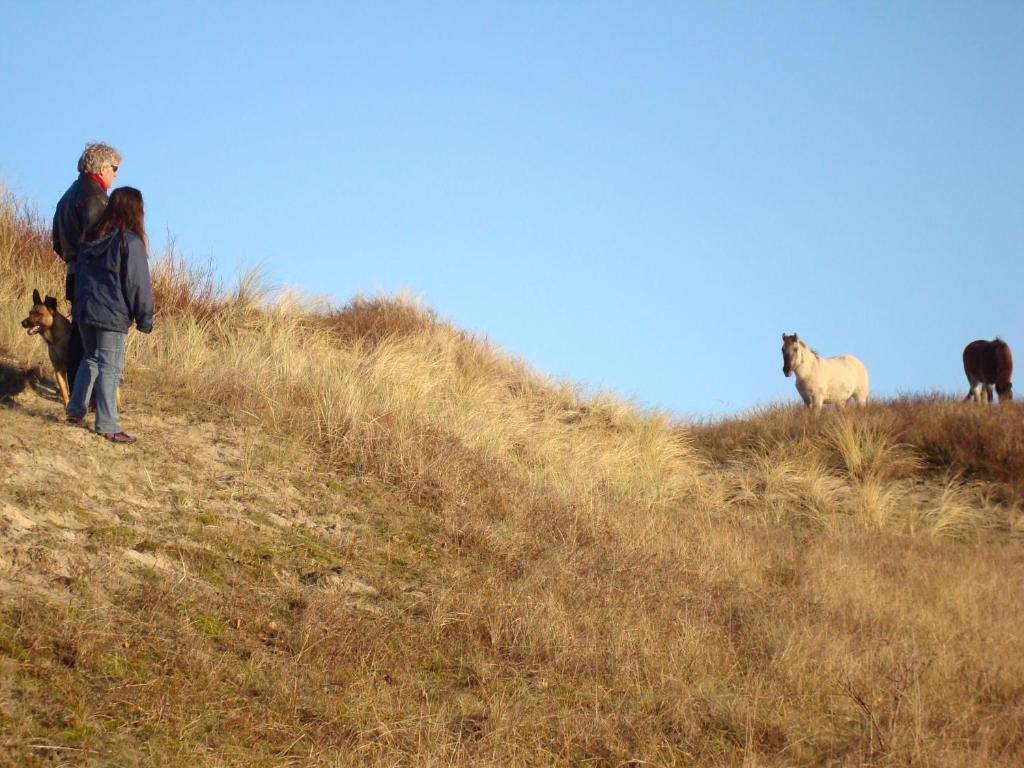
x=95, y=157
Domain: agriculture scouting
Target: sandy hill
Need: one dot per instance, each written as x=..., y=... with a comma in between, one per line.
x=360, y=536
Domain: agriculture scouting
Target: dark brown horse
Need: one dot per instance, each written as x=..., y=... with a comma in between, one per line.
x=987, y=363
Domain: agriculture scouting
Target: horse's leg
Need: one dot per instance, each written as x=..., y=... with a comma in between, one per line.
x=988, y=394
x=804, y=395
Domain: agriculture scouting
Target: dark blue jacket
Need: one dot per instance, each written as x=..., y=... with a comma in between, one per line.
x=112, y=287
x=79, y=208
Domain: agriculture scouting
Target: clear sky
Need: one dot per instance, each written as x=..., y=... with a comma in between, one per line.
x=637, y=196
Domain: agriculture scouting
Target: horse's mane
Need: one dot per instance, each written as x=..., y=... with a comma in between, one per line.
x=811, y=350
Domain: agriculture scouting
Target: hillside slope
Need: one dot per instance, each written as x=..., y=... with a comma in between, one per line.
x=359, y=536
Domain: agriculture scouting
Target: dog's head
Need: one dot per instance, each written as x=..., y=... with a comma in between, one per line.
x=40, y=317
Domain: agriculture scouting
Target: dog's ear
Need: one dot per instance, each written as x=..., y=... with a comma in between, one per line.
x=51, y=303
x=36, y=298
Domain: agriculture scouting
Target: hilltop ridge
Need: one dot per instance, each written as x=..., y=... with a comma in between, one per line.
x=358, y=535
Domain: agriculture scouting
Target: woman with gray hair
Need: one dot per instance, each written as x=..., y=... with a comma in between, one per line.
x=78, y=210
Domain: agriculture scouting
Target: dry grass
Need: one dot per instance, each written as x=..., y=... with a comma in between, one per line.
x=904, y=436
x=360, y=536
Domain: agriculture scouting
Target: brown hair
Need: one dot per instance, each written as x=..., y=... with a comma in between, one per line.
x=124, y=212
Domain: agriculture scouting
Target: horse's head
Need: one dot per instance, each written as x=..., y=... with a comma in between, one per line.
x=792, y=350
x=1004, y=370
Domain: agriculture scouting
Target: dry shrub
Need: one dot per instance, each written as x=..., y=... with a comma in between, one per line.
x=956, y=514
x=822, y=494
x=876, y=501
x=870, y=468
x=867, y=447
x=766, y=484
x=370, y=321
x=984, y=443
x=27, y=260
x=25, y=243
x=924, y=436
x=183, y=288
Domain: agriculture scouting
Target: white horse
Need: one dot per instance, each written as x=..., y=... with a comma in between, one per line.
x=821, y=380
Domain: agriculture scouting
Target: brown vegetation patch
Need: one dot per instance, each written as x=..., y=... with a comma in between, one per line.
x=982, y=443
x=25, y=242
x=370, y=321
x=182, y=287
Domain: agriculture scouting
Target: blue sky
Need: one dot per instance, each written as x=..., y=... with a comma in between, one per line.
x=640, y=197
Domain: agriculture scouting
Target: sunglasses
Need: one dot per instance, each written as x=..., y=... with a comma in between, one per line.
x=114, y=167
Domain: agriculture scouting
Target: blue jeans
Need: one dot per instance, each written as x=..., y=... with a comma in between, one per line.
x=103, y=359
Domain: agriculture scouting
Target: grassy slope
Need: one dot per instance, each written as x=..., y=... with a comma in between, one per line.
x=360, y=536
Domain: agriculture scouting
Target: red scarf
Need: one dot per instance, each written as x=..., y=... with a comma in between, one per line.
x=98, y=179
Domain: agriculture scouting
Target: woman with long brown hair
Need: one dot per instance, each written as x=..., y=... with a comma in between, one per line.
x=112, y=290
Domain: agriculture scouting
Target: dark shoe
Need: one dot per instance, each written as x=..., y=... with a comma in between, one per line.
x=119, y=437
x=75, y=420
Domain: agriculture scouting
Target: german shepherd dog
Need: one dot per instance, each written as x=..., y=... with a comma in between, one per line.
x=55, y=329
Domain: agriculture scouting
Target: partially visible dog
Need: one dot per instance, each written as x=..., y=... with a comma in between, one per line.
x=45, y=320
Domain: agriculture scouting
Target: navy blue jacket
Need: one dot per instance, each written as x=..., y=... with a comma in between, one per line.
x=79, y=208
x=112, y=286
